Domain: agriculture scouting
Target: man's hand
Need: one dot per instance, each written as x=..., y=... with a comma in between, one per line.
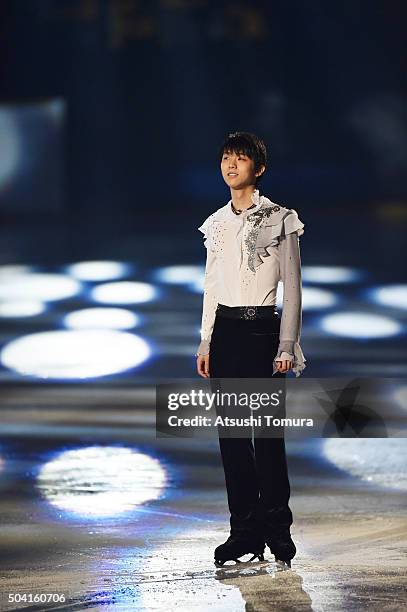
x=284, y=366
x=202, y=365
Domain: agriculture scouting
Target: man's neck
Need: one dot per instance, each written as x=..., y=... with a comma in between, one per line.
x=242, y=198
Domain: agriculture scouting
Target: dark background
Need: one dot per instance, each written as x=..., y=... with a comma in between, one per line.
x=112, y=113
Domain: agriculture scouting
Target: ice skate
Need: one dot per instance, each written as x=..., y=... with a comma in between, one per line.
x=236, y=546
x=282, y=546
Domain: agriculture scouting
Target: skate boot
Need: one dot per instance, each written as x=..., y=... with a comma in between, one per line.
x=276, y=522
x=282, y=546
x=238, y=545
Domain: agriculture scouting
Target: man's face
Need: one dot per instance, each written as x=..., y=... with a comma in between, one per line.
x=237, y=170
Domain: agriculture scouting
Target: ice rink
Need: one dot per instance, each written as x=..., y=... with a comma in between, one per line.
x=97, y=510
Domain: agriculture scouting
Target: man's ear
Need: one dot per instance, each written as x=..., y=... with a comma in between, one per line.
x=261, y=171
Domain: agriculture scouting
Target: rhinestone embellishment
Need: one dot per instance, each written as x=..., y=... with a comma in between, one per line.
x=255, y=219
x=250, y=312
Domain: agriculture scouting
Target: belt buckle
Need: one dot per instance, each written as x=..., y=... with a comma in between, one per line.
x=249, y=312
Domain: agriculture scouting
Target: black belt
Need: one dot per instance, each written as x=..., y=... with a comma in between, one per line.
x=247, y=312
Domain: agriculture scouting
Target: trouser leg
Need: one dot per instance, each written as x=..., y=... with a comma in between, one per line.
x=270, y=453
x=241, y=482
x=274, y=486
x=238, y=457
x=256, y=478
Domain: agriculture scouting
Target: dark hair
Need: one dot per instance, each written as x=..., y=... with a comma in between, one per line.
x=247, y=144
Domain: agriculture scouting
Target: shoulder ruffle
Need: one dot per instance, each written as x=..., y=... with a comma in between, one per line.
x=291, y=223
x=205, y=228
x=269, y=232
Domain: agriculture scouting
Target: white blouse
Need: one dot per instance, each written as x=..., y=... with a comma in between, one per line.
x=247, y=256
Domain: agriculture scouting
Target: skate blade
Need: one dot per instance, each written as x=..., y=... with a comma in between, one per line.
x=282, y=562
x=221, y=563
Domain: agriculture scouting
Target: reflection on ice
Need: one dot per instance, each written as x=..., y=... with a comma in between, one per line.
x=101, y=481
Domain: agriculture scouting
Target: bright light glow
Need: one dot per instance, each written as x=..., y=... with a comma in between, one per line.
x=125, y=292
x=101, y=481
x=42, y=287
x=391, y=295
x=74, y=354
x=330, y=274
x=312, y=298
x=10, y=145
x=179, y=275
x=98, y=270
x=381, y=461
x=55, y=110
x=360, y=325
x=21, y=308
x=99, y=318
x=14, y=269
x=400, y=396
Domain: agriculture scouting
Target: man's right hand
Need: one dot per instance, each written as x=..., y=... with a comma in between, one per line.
x=202, y=365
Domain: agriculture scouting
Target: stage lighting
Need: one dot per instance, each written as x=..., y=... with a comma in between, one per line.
x=38, y=286
x=98, y=270
x=21, y=308
x=101, y=481
x=179, y=275
x=125, y=292
x=330, y=274
x=74, y=354
x=11, y=270
x=99, y=318
x=360, y=325
x=380, y=461
x=10, y=146
x=312, y=298
x=390, y=295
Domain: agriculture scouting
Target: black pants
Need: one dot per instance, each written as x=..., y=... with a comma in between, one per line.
x=257, y=483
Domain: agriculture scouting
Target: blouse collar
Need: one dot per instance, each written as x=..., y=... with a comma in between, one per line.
x=257, y=199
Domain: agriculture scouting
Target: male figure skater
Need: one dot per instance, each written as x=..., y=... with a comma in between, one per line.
x=252, y=244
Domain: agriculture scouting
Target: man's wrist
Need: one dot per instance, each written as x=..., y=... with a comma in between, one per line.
x=203, y=348
x=286, y=346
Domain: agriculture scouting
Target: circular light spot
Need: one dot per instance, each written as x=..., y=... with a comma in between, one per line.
x=10, y=145
x=13, y=270
x=400, y=396
x=125, y=292
x=392, y=295
x=101, y=481
x=360, y=325
x=21, y=308
x=74, y=354
x=312, y=298
x=43, y=287
x=330, y=274
x=381, y=461
x=97, y=318
x=178, y=275
x=98, y=270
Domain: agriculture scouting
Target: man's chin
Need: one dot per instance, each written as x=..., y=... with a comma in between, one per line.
x=233, y=184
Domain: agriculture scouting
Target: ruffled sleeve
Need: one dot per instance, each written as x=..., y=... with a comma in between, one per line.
x=269, y=231
x=290, y=274
x=210, y=296
x=206, y=229
x=291, y=223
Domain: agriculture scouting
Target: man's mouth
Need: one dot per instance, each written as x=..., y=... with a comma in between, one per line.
x=233, y=174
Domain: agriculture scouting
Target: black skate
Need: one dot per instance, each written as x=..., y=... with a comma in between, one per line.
x=282, y=546
x=237, y=546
